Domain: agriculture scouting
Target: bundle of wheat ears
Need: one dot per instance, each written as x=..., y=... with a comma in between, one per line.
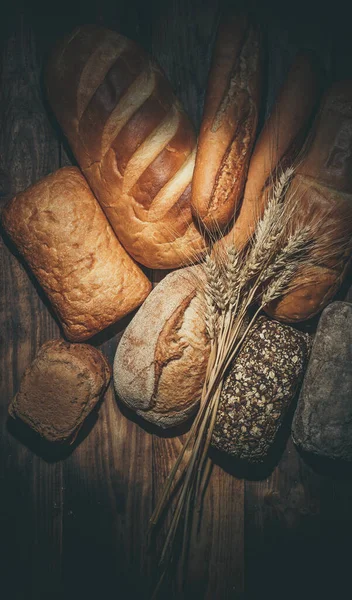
x=236, y=286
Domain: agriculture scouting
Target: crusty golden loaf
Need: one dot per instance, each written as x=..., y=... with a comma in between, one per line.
x=321, y=196
x=60, y=388
x=229, y=122
x=61, y=231
x=132, y=140
x=279, y=142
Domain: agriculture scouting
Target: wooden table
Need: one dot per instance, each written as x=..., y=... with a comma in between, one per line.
x=74, y=527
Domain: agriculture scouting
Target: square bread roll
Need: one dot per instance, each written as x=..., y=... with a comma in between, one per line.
x=60, y=388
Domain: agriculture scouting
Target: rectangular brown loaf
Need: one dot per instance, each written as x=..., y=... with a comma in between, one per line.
x=60, y=229
x=132, y=140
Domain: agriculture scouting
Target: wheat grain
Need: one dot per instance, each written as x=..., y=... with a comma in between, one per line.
x=236, y=286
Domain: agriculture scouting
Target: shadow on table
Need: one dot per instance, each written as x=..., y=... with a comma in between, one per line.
x=51, y=451
x=170, y=432
x=334, y=468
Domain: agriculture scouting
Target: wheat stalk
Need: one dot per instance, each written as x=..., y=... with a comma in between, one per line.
x=237, y=286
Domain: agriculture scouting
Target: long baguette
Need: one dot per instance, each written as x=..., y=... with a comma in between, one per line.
x=280, y=140
x=229, y=122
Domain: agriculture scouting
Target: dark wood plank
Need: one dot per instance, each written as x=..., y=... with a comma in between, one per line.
x=76, y=528
x=31, y=491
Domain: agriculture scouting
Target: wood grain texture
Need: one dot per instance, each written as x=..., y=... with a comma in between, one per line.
x=74, y=527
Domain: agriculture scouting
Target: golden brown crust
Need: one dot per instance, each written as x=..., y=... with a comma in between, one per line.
x=60, y=388
x=61, y=231
x=132, y=140
x=315, y=286
x=229, y=123
x=279, y=142
x=328, y=215
x=329, y=159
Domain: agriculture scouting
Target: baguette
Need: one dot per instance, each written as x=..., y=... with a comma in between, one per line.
x=132, y=140
x=229, y=123
x=61, y=231
x=280, y=141
x=320, y=197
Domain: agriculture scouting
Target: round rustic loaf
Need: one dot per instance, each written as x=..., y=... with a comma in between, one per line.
x=259, y=388
x=160, y=362
x=60, y=388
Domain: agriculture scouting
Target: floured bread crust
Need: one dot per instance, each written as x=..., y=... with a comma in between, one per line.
x=164, y=342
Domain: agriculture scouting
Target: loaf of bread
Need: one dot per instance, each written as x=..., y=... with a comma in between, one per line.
x=132, y=140
x=259, y=388
x=229, y=122
x=60, y=229
x=60, y=388
x=279, y=143
x=160, y=362
x=322, y=423
x=320, y=197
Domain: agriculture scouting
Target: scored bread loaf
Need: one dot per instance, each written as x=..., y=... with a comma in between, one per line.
x=61, y=231
x=320, y=197
x=160, y=362
x=229, y=122
x=60, y=388
x=279, y=142
x=132, y=140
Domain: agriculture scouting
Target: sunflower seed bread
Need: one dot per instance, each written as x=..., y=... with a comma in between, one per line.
x=259, y=388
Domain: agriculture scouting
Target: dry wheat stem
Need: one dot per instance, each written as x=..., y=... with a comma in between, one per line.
x=257, y=275
x=161, y=503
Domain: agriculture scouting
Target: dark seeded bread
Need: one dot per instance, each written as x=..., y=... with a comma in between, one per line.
x=259, y=388
x=60, y=388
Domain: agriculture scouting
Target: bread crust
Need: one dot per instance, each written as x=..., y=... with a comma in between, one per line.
x=165, y=341
x=229, y=122
x=60, y=229
x=133, y=141
x=258, y=389
x=60, y=388
x=321, y=192
x=279, y=142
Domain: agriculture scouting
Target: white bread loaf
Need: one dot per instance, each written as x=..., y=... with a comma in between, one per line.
x=161, y=359
x=132, y=140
